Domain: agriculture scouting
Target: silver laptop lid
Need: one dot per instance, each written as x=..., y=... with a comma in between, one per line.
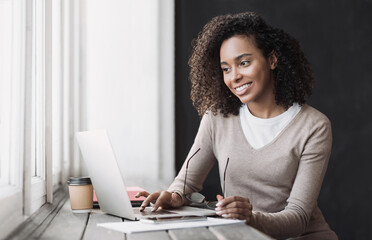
x=108, y=181
x=105, y=173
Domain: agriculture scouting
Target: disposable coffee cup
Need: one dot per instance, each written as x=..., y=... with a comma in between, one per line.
x=81, y=194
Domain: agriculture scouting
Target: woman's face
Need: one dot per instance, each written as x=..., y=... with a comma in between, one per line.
x=246, y=72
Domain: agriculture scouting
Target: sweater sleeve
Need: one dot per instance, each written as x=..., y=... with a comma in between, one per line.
x=293, y=220
x=200, y=164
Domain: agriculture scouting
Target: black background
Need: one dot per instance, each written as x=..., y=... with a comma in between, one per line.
x=336, y=37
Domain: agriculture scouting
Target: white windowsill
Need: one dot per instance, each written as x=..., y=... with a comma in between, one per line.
x=11, y=213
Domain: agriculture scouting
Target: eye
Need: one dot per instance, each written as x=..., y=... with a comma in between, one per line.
x=244, y=63
x=225, y=69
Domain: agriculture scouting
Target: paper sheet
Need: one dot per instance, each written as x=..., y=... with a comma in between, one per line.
x=138, y=226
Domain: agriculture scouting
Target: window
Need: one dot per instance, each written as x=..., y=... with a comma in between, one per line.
x=11, y=112
x=42, y=87
x=37, y=68
x=10, y=91
x=5, y=89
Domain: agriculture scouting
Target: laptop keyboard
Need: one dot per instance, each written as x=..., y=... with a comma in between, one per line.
x=148, y=212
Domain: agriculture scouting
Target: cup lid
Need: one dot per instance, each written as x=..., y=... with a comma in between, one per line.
x=79, y=181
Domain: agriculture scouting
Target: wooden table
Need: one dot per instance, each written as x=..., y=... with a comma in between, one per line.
x=61, y=223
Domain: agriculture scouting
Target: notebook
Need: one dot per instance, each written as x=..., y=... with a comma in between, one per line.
x=132, y=191
x=108, y=181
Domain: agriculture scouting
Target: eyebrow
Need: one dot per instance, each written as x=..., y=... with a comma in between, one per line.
x=239, y=57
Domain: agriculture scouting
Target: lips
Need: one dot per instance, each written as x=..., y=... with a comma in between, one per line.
x=243, y=88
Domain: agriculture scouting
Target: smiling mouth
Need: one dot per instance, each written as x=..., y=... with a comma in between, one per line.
x=241, y=88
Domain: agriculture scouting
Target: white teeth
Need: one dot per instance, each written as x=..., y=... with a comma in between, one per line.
x=243, y=87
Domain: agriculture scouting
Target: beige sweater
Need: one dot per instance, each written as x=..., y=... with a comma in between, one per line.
x=281, y=179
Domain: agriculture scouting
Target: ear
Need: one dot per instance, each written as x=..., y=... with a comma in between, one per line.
x=273, y=60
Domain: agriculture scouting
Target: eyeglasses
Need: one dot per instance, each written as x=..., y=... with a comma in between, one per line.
x=198, y=199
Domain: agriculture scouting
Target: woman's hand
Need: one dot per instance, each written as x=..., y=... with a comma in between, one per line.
x=234, y=207
x=162, y=199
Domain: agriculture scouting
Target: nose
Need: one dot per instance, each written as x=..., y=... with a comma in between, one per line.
x=235, y=74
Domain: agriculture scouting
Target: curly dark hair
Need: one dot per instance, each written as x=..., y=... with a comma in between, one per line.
x=293, y=78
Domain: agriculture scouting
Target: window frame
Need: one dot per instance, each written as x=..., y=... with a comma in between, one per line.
x=11, y=195
x=56, y=99
x=49, y=130
x=40, y=123
x=35, y=164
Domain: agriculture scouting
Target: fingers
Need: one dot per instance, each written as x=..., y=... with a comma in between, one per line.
x=235, y=207
x=142, y=194
x=164, y=199
x=245, y=214
x=239, y=208
x=229, y=200
x=176, y=200
x=247, y=217
x=149, y=198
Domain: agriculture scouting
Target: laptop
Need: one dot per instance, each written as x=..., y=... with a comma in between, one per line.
x=108, y=181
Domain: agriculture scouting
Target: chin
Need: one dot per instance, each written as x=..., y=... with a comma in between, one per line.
x=245, y=100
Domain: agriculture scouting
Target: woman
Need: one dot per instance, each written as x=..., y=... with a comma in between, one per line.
x=249, y=83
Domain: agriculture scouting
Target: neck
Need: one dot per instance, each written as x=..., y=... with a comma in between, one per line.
x=265, y=110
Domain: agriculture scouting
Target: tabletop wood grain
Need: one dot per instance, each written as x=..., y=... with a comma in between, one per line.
x=61, y=223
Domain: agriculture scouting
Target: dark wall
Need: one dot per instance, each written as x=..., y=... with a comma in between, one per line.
x=336, y=37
